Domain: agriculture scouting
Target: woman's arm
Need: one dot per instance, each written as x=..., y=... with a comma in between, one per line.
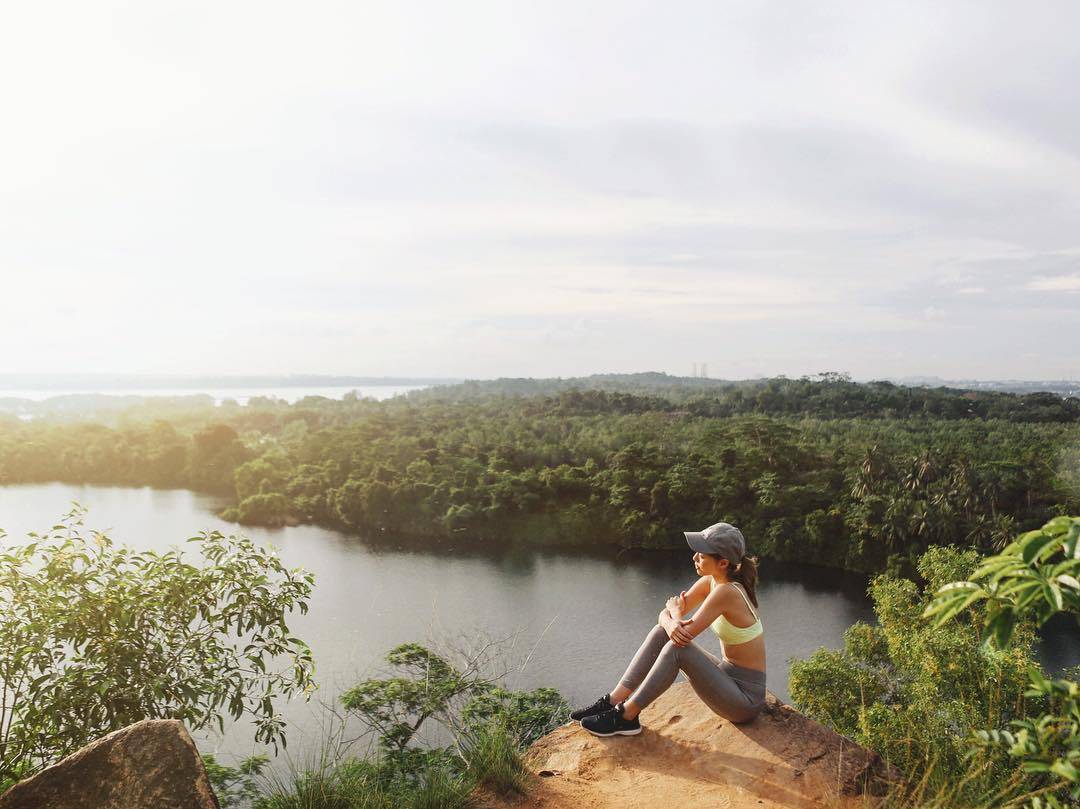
x=714, y=606
x=666, y=620
x=696, y=594
x=682, y=605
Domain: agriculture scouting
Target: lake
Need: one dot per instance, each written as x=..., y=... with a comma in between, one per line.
x=570, y=619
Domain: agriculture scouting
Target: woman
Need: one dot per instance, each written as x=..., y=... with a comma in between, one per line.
x=733, y=687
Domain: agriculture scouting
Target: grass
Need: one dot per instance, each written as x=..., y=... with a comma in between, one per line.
x=495, y=761
x=490, y=761
x=940, y=787
x=357, y=785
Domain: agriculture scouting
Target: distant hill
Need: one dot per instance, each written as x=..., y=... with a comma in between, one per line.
x=135, y=382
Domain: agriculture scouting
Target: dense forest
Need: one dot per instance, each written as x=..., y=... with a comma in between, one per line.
x=826, y=471
x=827, y=395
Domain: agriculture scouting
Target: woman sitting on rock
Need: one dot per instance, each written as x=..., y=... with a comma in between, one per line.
x=733, y=687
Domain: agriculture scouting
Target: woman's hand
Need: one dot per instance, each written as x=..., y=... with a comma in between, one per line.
x=681, y=636
x=676, y=605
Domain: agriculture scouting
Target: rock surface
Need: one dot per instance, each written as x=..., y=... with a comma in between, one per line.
x=152, y=764
x=687, y=755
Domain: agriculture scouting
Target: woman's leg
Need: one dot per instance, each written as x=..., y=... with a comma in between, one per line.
x=641, y=664
x=709, y=676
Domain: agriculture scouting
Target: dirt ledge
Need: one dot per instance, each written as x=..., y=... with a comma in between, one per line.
x=686, y=753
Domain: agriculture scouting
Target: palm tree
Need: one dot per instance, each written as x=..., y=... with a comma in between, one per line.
x=1002, y=531
x=981, y=532
x=873, y=469
x=921, y=523
x=923, y=470
x=894, y=525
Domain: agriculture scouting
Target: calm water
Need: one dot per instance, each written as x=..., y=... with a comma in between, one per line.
x=571, y=620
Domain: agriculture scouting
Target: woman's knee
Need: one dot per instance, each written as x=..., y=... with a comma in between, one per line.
x=671, y=650
x=657, y=636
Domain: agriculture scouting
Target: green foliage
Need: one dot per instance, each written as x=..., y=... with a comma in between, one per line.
x=1035, y=576
x=94, y=637
x=361, y=784
x=15, y=775
x=861, y=477
x=524, y=715
x=463, y=700
x=493, y=758
x=270, y=509
x=488, y=725
x=235, y=786
x=915, y=692
x=216, y=452
x=395, y=708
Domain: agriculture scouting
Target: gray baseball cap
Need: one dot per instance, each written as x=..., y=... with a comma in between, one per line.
x=722, y=539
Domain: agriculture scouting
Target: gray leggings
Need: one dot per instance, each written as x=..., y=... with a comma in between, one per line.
x=734, y=692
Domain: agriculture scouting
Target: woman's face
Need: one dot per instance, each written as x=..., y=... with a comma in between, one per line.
x=707, y=565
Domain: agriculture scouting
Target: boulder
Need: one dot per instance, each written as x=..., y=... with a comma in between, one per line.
x=687, y=755
x=152, y=764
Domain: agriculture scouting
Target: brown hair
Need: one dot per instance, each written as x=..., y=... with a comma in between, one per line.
x=744, y=572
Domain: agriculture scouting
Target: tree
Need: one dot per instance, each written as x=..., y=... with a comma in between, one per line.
x=95, y=636
x=216, y=452
x=463, y=699
x=1037, y=575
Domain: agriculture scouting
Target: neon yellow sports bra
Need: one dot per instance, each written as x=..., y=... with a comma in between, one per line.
x=727, y=631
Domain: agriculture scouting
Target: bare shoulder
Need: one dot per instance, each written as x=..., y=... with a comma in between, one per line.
x=719, y=594
x=735, y=589
x=729, y=593
x=737, y=597
x=701, y=584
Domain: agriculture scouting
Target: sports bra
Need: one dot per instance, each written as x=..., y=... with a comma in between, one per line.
x=727, y=631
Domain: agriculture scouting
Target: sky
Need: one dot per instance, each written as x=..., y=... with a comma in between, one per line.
x=540, y=189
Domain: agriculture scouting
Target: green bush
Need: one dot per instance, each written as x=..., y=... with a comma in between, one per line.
x=235, y=786
x=958, y=703
x=1037, y=576
x=488, y=726
x=361, y=784
x=270, y=509
x=914, y=692
x=95, y=636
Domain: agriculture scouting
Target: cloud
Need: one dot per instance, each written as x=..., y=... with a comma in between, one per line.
x=1060, y=283
x=465, y=190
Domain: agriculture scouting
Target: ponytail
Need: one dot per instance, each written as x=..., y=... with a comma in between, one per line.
x=745, y=573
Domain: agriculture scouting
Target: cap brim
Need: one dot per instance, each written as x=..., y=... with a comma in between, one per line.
x=696, y=540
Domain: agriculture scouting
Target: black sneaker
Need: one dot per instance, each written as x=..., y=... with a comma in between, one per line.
x=600, y=706
x=611, y=723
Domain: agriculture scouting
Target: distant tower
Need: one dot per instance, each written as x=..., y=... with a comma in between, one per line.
x=695, y=370
x=704, y=371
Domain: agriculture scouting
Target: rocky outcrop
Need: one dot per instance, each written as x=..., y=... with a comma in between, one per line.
x=149, y=765
x=687, y=755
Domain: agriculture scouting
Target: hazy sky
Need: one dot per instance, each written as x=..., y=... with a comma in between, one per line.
x=512, y=189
